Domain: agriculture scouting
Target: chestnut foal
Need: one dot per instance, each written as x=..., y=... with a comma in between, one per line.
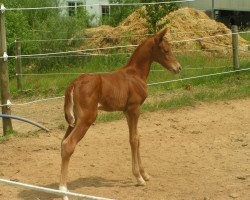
x=122, y=90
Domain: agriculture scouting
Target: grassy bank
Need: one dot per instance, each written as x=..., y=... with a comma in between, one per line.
x=49, y=83
x=162, y=96
x=246, y=36
x=230, y=87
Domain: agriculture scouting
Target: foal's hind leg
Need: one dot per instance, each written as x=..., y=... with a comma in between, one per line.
x=70, y=140
x=144, y=174
x=132, y=115
x=69, y=130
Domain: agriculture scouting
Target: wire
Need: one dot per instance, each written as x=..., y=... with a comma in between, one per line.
x=110, y=4
x=107, y=55
x=222, y=45
x=38, y=101
x=125, y=46
x=49, y=190
x=122, y=36
x=76, y=51
x=101, y=72
x=53, y=74
x=245, y=50
x=245, y=32
x=194, y=50
x=27, y=103
x=34, y=30
x=78, y=55
x=149, y=84
x=208, y=37
x=86, y=38
x=195, y=77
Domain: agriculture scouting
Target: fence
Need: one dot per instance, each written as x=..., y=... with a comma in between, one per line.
x=50, y=191
x=7, y=125
x=19, y=56
x=4, y=77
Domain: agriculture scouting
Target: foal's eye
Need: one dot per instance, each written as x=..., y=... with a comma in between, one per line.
x=165, y=51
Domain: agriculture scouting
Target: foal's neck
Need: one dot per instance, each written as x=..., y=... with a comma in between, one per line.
x=142, y=59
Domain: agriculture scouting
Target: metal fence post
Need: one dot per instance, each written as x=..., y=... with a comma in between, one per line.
x=18, y=65
x=4, y=74
x=235, y=47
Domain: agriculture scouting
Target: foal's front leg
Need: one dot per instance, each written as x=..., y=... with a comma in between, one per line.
x=132, y=116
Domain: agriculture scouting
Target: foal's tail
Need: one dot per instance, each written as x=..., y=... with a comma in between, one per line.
x=69, y=106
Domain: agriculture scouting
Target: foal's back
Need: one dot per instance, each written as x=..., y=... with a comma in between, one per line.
x=120, y=89
x=111, y=92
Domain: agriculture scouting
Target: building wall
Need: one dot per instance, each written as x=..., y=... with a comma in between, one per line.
x=236, y=5
x=95, y=10
x=199, y=4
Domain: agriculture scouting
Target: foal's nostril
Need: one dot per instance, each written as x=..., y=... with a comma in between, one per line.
x=180, y=68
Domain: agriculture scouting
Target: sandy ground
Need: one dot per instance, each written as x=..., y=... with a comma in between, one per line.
x=200, y=152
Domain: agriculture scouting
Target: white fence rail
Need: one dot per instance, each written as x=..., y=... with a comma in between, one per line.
x=51, y=191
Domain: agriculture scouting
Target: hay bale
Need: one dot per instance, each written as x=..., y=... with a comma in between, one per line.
x=187, y=23
x=184, y=24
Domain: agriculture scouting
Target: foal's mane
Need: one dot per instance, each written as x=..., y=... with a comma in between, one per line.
x=147, y=41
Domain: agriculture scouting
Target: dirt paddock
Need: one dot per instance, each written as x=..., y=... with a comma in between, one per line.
x=200, y=152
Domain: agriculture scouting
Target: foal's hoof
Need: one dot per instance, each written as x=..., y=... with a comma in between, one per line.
x=140, y=182
x=146, y=177
x=64, y=189
x=65, y=198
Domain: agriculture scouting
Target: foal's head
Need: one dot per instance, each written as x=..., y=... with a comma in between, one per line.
x=162, y=53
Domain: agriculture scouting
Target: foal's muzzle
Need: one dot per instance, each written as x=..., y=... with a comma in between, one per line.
x=177, y=68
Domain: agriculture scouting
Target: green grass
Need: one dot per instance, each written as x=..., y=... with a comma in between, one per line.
x=181, y=93
x=7, y=136
x=108, y=117
x=163, y=96
x=246, y=36
x=18, y=134
x=55, y=85
x=232, y=87
x=193, y=64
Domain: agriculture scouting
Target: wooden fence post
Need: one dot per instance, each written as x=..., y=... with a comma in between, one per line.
x=18, y=65
x=213, y=12
x=235, y=47
x=4, y=74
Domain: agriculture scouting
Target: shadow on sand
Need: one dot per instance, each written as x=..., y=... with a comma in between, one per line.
x=78, y=183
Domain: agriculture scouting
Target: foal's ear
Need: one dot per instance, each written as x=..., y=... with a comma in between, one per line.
x=160, y=35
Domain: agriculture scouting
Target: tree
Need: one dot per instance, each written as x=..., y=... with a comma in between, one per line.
x=47, y=24
x=153, y=13
x=119, y=13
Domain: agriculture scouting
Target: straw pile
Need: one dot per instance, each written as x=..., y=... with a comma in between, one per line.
x=184, y=24
x=130, y=31
x=187, y=23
